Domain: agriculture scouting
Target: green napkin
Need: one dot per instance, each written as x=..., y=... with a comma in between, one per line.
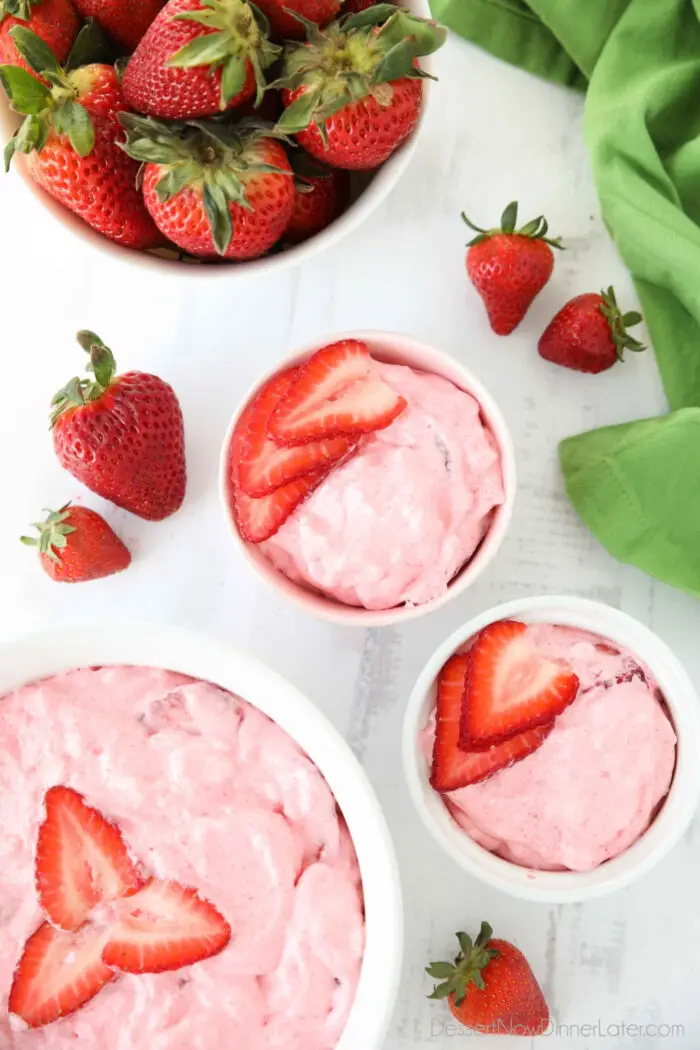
x=636, y=486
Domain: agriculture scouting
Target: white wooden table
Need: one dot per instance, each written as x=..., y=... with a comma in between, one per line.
x=495, y=134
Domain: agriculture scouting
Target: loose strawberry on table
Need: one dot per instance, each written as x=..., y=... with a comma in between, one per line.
x=589, y=334
x=214, y=189
x=69, y=135
x=353, y=92
x=75, y=544
x=55, y=21
x=510, y=267
x=322, y=194
x=122, y=435
x=126, y=23
x=198, y=58
x=490, y=988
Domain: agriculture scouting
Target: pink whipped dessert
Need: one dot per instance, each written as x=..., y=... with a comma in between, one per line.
x=591, y=789
x=397, y=521
x=210, y=793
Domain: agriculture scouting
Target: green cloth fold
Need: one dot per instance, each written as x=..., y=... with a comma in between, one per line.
x=636, y=486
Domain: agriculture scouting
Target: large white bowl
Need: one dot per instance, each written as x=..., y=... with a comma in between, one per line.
x=62, y=649
x=369, y=199
x=666, y=829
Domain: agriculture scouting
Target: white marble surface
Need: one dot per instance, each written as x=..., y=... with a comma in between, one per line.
x=494, y=134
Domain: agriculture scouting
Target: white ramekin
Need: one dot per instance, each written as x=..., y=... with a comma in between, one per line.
x=377, y=190
x=62, y=649
x=394, y=349
x=671, y=821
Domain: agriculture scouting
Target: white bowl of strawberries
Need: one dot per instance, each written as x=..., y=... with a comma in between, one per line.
x=197, y=131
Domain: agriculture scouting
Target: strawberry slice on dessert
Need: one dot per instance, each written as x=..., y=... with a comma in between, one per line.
x=339, y=391
x=58, y=973
x=163, y=927
x=454, y=768
x=510, y=687
x=81, y=860
x=260, y=465
x=258, y=519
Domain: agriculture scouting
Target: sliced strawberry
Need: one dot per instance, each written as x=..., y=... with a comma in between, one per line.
x=259, y=465
x=58, y=973
x=338, y=391
x=453, y=768
x=163, y=927
x=258, y=519
x=510, y=687
x=81, y=860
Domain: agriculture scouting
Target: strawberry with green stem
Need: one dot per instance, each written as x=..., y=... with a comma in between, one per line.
x=510, y=267
x=353, y=92
x=213, y=189
x=198, y=58
x=55, y=21
x=76, y=544
x=590, y=334
x=68, y=135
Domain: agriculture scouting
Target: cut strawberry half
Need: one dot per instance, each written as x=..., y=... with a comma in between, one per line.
x=454, y=768
x=510, y=687
x=81, y=860
x=258, y=519
x=163, y=927
x=58, y=973
x=338, y=391
x=259, y=465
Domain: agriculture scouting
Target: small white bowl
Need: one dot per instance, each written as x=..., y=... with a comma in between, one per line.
x=369, y=199
x=172, y=648
x=392, y=348
x=668, y=826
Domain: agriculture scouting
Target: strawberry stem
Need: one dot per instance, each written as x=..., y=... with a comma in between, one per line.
x=467, y=968
x=618, y=323
x=81, y=391
x=53, y=533
x=536, y=229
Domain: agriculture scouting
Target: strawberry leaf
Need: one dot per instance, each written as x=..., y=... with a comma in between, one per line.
x=208, y=50
x=440, y=970
x=373, y=16
x=26, y=94
x=233, y=78
x=35, y=51
x=219, y=215
x=91, y=45
x=8, y=153
x=176, y=179
x=510, y=217
x=73, y=120
x=300, y=114
x=32, y=135
x=442, y=991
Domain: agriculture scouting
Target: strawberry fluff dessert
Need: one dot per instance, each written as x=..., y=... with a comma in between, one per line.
x=373, y=484
x=550, y=746
x=174, y=872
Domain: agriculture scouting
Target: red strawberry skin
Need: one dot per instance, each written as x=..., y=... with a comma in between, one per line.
x=285, y=27
x=510, y=688
x=157, y=90
x=184, y=220
x=579, y=337
x=128, y=446
x=355, y=7
x=58, y=973
x=93, y=551
x=508, y=271
x=318, y=202
x=81, y=860
x=258, y=519
x=258, y=464
x=55, y=21
x=125, y=23
x=454, y=768
x=100, y=188
x=164, y=927
x=364, y=134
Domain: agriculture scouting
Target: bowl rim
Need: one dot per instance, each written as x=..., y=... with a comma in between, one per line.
x=672, y=820
x=375, y=193
x=54, y=650
x=394, y=347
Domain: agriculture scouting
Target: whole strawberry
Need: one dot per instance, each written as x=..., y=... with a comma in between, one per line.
x=122, y=436
x=353, y=93
x=589, y=334
x=125, y=23
x=76, y=544
x=69, y=136
x=491, y=988
x=322, y=194
x=281, y=15
x=55, y=21
x=215, y=190
x=199, y=57
x=510, y=267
